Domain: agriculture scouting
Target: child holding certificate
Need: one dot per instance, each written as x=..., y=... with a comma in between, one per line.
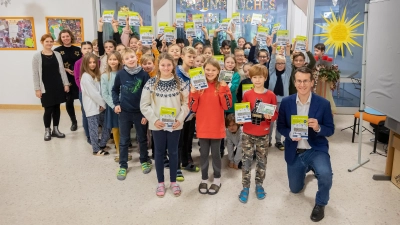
x=209, y=105
x=256, y=132
x=164, y=99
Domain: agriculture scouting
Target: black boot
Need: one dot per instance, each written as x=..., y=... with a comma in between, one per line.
x=74, y=126
x=317, y=213
x=57, y=133
x=47, y=134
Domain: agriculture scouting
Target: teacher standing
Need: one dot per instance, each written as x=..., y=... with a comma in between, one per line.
x=50, y=84
x=70, y=54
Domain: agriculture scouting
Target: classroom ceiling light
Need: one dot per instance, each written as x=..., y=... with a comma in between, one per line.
x=5, y=2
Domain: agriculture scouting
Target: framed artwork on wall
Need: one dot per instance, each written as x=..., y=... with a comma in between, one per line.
x=54, y=25
x=17, y=33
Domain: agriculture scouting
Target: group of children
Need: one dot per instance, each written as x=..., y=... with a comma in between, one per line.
x=126, y=84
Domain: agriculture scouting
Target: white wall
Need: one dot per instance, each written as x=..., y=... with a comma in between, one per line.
x=16, y=84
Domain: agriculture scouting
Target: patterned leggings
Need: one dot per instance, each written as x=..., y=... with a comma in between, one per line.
x=93, y=122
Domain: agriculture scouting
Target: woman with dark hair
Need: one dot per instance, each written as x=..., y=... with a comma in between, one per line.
x=70, y=54
x=50, y=83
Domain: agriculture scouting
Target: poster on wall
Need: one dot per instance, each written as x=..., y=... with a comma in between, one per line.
x=17, y=33
x=54, y=25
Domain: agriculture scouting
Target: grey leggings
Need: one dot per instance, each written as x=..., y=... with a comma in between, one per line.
x=205, y=145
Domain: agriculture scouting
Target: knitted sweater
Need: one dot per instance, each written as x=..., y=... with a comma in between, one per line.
x=91, y=97
x=209, y=106
x=37, y=71
x=168, y=95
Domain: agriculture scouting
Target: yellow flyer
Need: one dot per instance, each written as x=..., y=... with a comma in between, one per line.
x=220, y=59
x=198, y=21
x=236, y=18
x=282, y=37
x=262, y=33
x=146, y=35
x=242, y=112
x=180, y=19
x=246, y=87
x=189, y=28
x=300, y=43
x=276, y=27
x=169, y=34
x=122, y=17
x=134, y=19
x=167, y=116
x=299, y=127
x=108, y=16
x=256, y=19
x=198, y=78
x=225, y=24
x=161, y=26
x=211, y=33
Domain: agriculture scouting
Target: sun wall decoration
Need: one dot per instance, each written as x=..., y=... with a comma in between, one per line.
x=340, y=32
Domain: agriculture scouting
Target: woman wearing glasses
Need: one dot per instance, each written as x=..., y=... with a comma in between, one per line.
x=280, y=71
x=70, y=54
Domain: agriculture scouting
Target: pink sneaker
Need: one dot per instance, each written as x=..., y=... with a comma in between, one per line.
x=160, y=192
x=176, y=189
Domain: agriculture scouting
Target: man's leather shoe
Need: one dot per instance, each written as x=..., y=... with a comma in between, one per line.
x=317, y=213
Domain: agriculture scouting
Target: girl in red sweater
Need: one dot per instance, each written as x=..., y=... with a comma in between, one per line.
x=209, y=105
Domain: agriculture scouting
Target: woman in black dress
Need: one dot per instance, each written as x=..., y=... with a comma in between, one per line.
x=51, y=85
x=70, y=54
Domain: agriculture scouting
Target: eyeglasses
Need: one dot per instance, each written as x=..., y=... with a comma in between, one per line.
x=303, y=81
x=280, y=64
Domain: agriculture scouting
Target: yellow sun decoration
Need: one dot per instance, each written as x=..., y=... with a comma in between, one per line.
x=340, y=33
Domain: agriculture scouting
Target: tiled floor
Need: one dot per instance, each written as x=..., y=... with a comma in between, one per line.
x=61, y=182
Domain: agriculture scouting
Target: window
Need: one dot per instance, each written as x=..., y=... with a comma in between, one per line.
x=273, y=11
x=350, y=65
x=213, y=12
x=143, y=7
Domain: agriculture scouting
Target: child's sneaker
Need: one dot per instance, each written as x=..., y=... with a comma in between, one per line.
x=176, y=189
x=192, y=168
x=260, y=192
x=160, y=192
x=121, y=175
x=280, y=146
x=244, y=195
x=179, y=176
x=146, y=167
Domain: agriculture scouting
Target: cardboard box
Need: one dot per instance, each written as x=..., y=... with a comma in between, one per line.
x=396, y=161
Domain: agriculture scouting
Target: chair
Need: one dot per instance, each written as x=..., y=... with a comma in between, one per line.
x=378, y=120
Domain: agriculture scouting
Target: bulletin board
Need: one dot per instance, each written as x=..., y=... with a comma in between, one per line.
x=17, y=33
x=54, y=25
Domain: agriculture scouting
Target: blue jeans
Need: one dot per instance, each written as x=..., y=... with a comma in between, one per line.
x=166, y=140
x=304, y=162
x=126, y=119
x=84, y=119
x=272, y=128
